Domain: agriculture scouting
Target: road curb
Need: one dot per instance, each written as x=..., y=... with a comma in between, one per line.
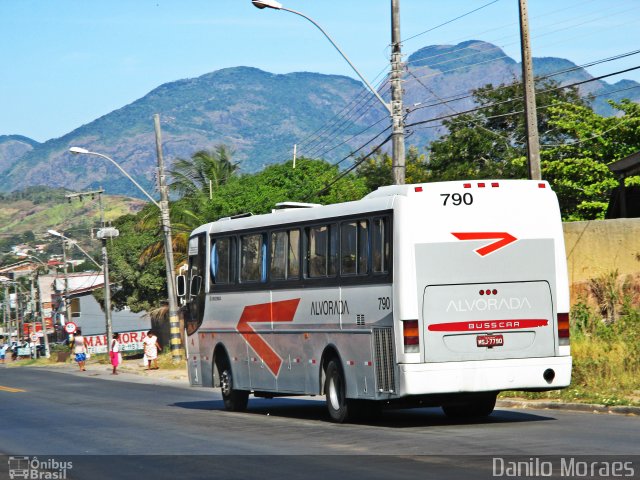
x=578, y=407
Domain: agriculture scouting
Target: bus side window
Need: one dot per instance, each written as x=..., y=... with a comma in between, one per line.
x=278, y=266
x=252, y=258
x=322, y=250
x=354, y=248
x=285, y=258
x=222, y=271
x=380, y=245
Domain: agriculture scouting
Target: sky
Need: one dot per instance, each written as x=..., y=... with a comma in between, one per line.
x=65, y=63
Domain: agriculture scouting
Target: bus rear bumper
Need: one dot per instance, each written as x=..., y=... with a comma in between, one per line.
x=485, y=376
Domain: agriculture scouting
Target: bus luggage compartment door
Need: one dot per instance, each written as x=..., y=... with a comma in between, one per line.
x=488, y=321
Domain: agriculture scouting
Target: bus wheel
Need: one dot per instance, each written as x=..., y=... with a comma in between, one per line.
x=234, y=400
x=480, y=406
x=334, y=389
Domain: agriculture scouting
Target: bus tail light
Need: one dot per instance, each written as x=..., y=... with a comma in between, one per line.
x=563, y=328
x=411, y=334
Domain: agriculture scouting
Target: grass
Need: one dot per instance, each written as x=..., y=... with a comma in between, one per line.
x=606, y=357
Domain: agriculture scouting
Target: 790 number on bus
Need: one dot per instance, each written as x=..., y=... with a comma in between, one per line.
x=457, y=199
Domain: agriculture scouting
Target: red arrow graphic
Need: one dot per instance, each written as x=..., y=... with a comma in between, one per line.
x=503, y=238
x=282, y=311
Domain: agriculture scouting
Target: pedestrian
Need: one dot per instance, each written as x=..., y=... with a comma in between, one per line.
x=3, y=351
x=80, y=350
x=114, y=353
x=151, y=347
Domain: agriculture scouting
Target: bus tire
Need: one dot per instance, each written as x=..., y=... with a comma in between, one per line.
x=335, y=392
x=481, y=406
x=234, y=400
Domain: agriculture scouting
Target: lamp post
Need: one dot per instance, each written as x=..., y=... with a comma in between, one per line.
x=163, y=206
x=47, y=352
x=395, y=107
x=107, y=290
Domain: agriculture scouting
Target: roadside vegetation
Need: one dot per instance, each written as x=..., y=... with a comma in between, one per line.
x=605, y=344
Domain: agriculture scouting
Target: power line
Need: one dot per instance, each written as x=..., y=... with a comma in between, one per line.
x=347, y=171
x=450, y=21
x=538, y=79
x=483, y=107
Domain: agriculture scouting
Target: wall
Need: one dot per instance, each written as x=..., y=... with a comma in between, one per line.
x=598, y=247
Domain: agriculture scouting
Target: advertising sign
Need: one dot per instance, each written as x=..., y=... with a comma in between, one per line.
x=129, y=342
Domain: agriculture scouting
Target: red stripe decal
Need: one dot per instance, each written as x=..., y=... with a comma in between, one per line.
x=282, y=311
x=503, y=239
x=484, y=325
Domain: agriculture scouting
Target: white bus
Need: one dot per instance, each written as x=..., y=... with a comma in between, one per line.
x=437, y=294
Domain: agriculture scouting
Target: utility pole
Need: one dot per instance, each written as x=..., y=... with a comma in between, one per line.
x=15, y=292
x=47, y=352
x=33, y=313
x=7, y=312
x=174, y=323
x=397, y=117
x=533, y=142
x=67, y=303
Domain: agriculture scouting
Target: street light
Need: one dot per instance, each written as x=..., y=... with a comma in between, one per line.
x=47, y=353
x=163, y=206
x=105, y=273
x=395, y=107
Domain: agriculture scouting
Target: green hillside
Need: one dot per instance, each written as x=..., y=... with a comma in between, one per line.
x=28, y=214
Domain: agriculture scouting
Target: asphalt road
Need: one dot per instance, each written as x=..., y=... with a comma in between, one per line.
x=112, y=428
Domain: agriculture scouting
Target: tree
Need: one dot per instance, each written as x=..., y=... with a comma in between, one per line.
x=138, y=286
x=204, y=170
x=310, y=181
x=485, y=143
x=576, y=145
x=577, y=167
x=377, y=170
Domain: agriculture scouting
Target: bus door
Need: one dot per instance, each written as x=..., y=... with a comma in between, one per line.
x=194, y=308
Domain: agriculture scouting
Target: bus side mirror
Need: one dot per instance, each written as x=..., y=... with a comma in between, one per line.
x=181, y=285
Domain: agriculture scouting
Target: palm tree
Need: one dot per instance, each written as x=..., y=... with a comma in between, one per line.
x=205, y=169
x=194, y=180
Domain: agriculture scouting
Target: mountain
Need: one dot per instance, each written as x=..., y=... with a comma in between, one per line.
x=12, y=148
x=259, y=114
x=262, y=115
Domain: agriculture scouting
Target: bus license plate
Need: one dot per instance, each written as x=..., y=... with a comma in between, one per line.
x=490, y=340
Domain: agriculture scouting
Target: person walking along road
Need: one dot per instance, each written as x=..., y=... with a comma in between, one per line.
x=80, y=350
x=114, y=353
x=151, y=347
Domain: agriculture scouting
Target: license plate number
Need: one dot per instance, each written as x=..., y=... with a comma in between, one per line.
x=489, y=340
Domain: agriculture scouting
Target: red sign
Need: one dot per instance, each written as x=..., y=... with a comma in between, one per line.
x=70, y=327
x=129, y=341
x=483, y=325
x=503, y=239
x=282, y=311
